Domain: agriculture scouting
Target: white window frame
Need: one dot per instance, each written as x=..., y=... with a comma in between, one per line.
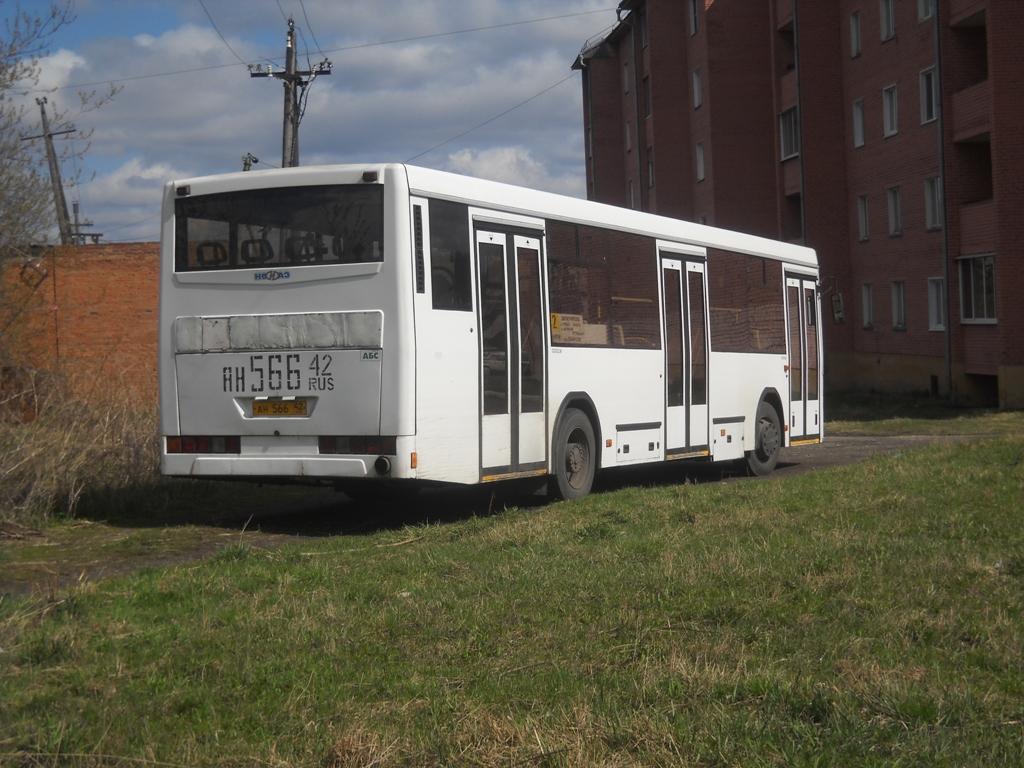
x=699, y=160
x=786, y=152
x=863, y=220
x=925, y=9
x=975, y=318
x=698, y=89
x=858, y=123
x=894, y=203
x=867, y=306
x=936, y=304
x=926, y=84
x=898, y=291
x=890, y=110
x=855, y=34
x=887, y=19
x=933, y=214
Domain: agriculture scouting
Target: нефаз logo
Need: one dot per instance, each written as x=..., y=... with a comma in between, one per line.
x=272, y=274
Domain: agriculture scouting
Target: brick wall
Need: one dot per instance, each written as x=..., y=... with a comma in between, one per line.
x=88, y=313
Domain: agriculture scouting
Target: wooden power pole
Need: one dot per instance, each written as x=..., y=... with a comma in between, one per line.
x=295, y=81
x=61, y=204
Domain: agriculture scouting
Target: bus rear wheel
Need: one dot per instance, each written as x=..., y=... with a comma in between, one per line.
x=575, y=456
x=767, y=440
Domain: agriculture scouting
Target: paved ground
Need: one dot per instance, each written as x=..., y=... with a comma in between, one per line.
x=85, y=550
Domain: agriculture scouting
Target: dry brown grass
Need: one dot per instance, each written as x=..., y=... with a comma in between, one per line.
x=56, y=446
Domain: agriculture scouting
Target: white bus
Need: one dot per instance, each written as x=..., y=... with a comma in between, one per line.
x=361, y=324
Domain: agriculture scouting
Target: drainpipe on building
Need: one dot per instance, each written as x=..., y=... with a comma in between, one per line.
x=940, y=103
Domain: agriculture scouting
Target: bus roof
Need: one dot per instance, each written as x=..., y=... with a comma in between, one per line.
x=510, y=198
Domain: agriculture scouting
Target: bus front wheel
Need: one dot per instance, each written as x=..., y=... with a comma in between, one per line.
x=575, y=456
x=767, y=440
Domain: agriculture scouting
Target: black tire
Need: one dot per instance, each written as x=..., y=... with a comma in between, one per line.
x=767, y=440
x=575, y=456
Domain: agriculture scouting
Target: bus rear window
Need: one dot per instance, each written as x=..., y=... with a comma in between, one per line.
x=284, y=226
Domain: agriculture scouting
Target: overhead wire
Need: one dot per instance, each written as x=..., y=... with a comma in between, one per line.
x=340, y=49
x=220, y=34
x=309, y=26
x=490, y=120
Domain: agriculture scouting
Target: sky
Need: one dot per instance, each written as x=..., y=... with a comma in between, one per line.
x=425, y=97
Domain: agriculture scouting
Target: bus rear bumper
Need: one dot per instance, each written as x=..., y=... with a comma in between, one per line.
x=243, y=466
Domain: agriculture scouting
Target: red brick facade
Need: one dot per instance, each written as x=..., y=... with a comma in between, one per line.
x=753, y=61
x=88, y=312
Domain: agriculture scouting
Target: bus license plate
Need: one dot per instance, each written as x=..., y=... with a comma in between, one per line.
x=275, y=408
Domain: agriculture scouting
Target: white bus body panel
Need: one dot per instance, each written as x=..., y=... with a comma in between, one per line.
x=625, y=386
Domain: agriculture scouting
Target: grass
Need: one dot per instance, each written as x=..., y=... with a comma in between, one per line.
x=886, y=414
x=866, y=615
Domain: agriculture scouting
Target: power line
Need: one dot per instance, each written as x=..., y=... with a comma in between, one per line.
x=220, y=35
x=283, y=14
x=490, y=120
x=309, y=26
x=341, y=49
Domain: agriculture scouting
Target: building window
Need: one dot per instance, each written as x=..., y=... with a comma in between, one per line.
x=647, y=96
x=700, y=162
x=858, y=123
x=867, y=306
x=694, y=18
x=650, y=167
x=629, y=138
x=936, y=304
x=892, y=194
x=978, y=289
x=890, y=111
x=625, y=77
x=855, y=34
x=933, y=203
x=862, y=217
x=632, y=195
x=789, y=130
x=642, y=23
x=929, y=98
x=899, y=305
x=887, y=10
x=698, y=90
x=925, y=9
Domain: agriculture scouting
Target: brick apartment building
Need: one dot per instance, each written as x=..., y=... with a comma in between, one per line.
x=886, y=134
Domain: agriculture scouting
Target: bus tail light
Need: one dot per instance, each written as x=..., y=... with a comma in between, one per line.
x=360, y=445
x=204, y=444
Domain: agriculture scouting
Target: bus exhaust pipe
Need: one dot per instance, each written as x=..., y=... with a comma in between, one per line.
x=382, y=465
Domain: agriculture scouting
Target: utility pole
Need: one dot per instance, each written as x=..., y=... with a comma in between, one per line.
x=77, y=235
x=58, y=187
x=295, y=84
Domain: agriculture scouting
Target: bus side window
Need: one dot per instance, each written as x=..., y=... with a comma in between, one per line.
x=450, y=276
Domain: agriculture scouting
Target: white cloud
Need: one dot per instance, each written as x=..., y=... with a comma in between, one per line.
x=515, y=165
x=382, y=103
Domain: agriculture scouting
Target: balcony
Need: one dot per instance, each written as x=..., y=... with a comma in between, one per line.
x=783, y=13
x=787, y=91
x=972, y=112
x=961, y=11
x=978, y=227
x=791, y=181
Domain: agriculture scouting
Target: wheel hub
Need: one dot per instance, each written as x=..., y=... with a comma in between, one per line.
x=574, y=458
x=769, y=442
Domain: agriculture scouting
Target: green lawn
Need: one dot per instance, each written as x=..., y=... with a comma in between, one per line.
x=867, y=615
x=877, y=414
